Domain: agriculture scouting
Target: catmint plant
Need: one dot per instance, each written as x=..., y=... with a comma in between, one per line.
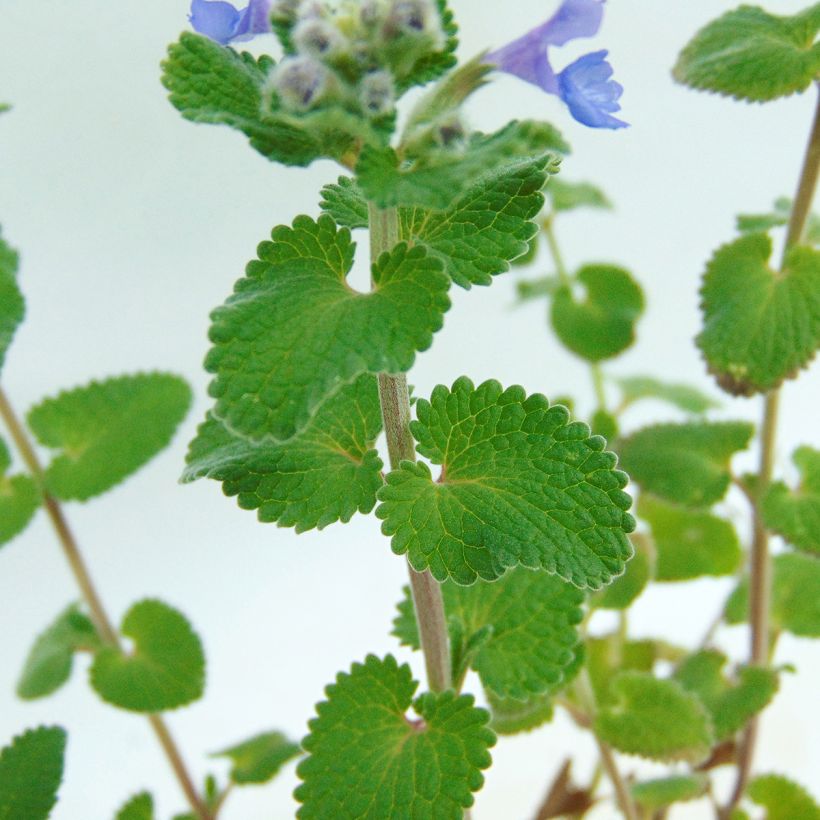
x=513, y=517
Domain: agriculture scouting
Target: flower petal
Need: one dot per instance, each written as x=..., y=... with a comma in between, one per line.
x=586, y=87
x=214, y=19
x=253, y=20
x=574, y=19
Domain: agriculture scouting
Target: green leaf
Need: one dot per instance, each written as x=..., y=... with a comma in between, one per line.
x=211, y=83
x=682, y=396
x=795, y=514
x=655, y=718
x=603, y=325
x=435, y=63
x=626, y=588
x=385, y=181
x=778, y=217
x=689, y=543
x=795, y=603
x=166, y=668
x=759, y=327
x=604, y=424
x=367, y=759
x=511, y=716
x=566, y=196
x=12, y=306
x=19, y=499
x=731, y=702
x=526, y=622
x=520, y=485
x=610, y=654
x=685, y=463
x=107, y=430
x=139, y=807
x=294, y=331
x=752, y=55
x=259, y=759
x=544, y=286
x=326, y=474
x=489, y=225
x=782, y=798
x=344, y=204
x=4, y=107
x=31, y=770
x=664, y=791
x=48, y=665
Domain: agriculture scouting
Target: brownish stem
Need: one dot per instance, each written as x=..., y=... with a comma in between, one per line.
x=98, y=614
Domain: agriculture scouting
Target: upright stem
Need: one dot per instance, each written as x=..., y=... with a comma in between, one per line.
x=760, y=562
x=555, y=251
x=395, y=403
x=98, y=614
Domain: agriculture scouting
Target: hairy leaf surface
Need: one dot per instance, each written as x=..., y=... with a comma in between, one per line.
x=627, y=587
x=520, y=485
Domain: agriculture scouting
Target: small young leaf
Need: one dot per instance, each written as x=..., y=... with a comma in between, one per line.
x=664, y=791
x=731, y=703
x=796, y=514
x=107, y=430
x=782, y=798
x=689, y=543
x=795, y=596
x=166, y=668
x=603, y=325
x=685, y=463
x=529, y=620
x=12, y=306
x=655, y=718
x=294, y=331
x=259, y=759
x=566, y=196
x=778, y=217
x=608, y=655
x=31, y=770
x=682, y=396
x=626, y=588
x=48, y=665
x=19, y=499
x=326, y=474
x=537, y=288
x=520, y=485
x=139, y=807
x=368, y=759
x=759, y=327
x=511, y=716
x=752, y=55
x=344, y=204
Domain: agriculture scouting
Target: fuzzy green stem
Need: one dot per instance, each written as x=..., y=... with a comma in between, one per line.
x=99, y=616
x=395, y=404
x=760, y=560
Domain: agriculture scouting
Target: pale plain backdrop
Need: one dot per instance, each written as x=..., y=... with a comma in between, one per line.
x=132, y=224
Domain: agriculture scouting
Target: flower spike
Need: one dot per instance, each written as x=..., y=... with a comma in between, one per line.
x=223, y=23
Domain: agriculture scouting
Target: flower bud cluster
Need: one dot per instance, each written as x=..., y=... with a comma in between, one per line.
x=352, y=53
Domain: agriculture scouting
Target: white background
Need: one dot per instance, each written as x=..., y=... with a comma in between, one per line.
x=133, y=224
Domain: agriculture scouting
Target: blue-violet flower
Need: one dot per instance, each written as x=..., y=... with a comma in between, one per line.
x=225, y=24
x=585, y=85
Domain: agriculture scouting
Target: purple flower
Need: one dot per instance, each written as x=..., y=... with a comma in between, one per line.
x=225, y=24
x=585, y=85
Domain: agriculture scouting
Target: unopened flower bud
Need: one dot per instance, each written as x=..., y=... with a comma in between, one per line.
x=318, y=38
x=414, y=17
x=285, y=9
x=377, y=93
x=300, y=82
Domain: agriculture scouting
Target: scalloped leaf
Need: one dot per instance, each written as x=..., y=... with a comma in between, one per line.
x=795, y=514
x=685, y=463
x=49, y=662
x=759, y=326
x=259, y=758
x=621, y=593
x=326, y=474
x=344, y=203
x=519, y=633
x=752, y=55
x=31, y=770
x=610, y=654
x=567, y=196
x=782, y=798
x=689, y=543
x=139, y=807
x=166, y=668
x=520, y=485
x=107, y=430
x=664, y=791
x=294, y=331
x=686, y=398
x=655, y=718
x=12, y=305
x=603, y=324
x=795, y=605
x=367, y=759
x=731, y=702
x=20, y=498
